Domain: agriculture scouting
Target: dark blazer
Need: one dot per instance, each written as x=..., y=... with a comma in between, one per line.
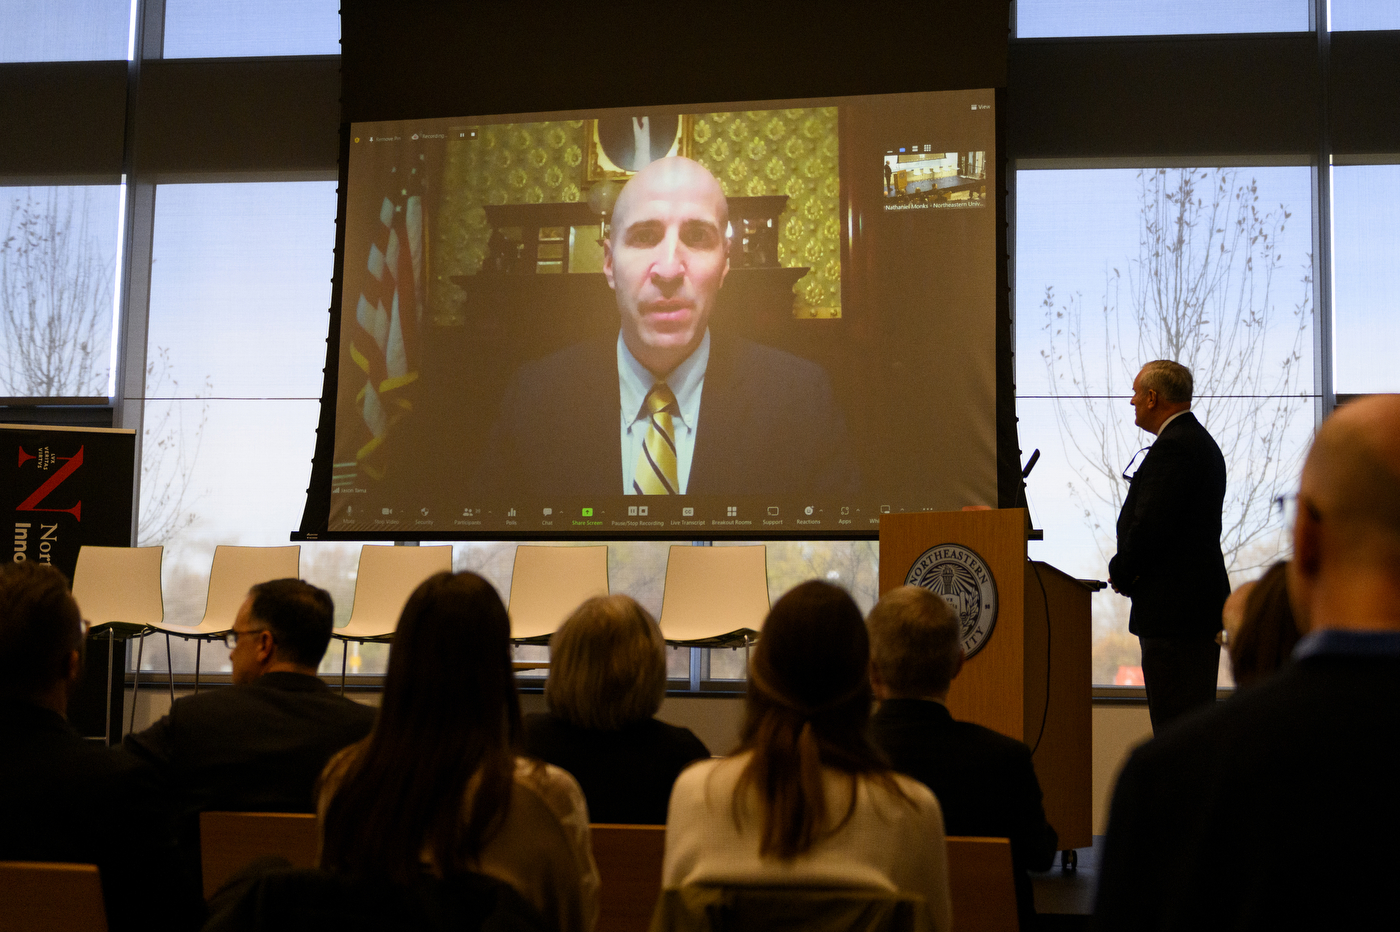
x=1169, y=561
x=768, y=426
x=1275, y=809
x=258, y=747
x=626, y=775
x=73, y=800
x=984, y=782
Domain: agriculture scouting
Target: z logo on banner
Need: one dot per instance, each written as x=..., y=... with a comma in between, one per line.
x=70, y=466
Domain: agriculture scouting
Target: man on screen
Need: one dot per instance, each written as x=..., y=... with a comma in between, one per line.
x=667, y=407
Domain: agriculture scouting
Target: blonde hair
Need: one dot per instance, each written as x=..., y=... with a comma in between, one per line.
x=607, y=665
x=914, y=642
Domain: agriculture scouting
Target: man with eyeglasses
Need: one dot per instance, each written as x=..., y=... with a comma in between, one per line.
x=1169, y=560
x=1277, y=809
x=260, y=744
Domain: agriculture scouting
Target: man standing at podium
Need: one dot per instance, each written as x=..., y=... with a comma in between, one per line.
x=1169, y=561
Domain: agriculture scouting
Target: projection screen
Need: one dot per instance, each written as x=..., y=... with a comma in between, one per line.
x=788, y=334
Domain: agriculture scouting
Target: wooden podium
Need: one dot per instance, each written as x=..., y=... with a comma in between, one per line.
x=1030, y=679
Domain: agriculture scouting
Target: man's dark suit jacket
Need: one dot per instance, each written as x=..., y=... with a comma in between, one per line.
x=626, y=775
x=984, y=781
x=258, y=747
x=1276, y=809
x=768, y=426
x=69, y=799
x=1169, y=561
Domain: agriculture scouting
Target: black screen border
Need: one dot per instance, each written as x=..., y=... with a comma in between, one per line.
x=431, y=59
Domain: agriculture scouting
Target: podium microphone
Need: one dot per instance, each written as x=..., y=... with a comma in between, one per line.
x=1030, y=463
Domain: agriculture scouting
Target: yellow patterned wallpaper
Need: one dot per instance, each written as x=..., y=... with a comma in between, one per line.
x=752, y=153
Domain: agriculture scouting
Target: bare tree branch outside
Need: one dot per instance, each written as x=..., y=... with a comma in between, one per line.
x=55, y=297
x=170, y=445
x=1202, y=291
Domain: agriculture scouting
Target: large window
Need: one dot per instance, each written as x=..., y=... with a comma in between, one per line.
x=64, y=30
x=1114, y=268
x=1036, y=18
x=240, y=291
x=236, y=28
x=1364, y=14
x=1366, y=257
x=58, y=249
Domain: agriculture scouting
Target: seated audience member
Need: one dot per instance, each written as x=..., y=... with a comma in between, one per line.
x=1209, y=820
x=807, y=801
x=607, y=677
x=260, y=744
x=66, y=798
x=1261, y=642
x=438, y=788
x=984, y=781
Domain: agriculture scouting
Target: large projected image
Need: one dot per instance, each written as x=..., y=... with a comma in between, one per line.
x=722, y=321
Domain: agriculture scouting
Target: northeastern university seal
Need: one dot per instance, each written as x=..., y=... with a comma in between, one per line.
x=965, y=582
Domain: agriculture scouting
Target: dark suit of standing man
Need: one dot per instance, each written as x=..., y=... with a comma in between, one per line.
x=1169, y=561
x=985, y=781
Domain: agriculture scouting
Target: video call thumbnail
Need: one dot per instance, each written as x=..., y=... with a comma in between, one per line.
x=917, y=178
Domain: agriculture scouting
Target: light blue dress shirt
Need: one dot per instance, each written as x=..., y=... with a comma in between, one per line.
x=687, y=382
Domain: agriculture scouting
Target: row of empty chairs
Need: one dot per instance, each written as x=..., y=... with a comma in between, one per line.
x=713, y=595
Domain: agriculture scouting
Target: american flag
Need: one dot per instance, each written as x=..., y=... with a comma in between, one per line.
x=389, y=313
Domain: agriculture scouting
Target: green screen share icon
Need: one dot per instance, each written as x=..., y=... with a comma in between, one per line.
x=588, y=512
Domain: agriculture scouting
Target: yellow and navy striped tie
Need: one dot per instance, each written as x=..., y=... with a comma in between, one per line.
x=656, y=464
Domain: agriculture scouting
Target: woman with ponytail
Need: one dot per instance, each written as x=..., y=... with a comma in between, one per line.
x=437, y=789
x=806, y=801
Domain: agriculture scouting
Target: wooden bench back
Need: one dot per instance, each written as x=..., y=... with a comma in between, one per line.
x=981, y=884
x=629, y=863
x=45, y=897
x=228, y=841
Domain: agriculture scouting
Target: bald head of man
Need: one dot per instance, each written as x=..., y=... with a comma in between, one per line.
x=666, y=259
x=1346, y=567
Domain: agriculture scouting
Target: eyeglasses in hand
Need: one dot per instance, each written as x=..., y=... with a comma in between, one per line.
x=1134, y=465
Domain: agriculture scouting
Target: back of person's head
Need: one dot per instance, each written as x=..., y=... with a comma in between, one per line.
x=1352, y=479
x=807, y=708
x=1170, y=380
x=1267, y=632
x=449, y=712
x=915, y=645
x=607, y=665
x=1347, y=533
x=300, y=616
x=40, y=627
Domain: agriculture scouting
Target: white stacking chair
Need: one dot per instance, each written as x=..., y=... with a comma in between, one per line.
x=714, y=595
x=234, y=571
x=548, y=583
x=386, y=578
x=118, y=591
